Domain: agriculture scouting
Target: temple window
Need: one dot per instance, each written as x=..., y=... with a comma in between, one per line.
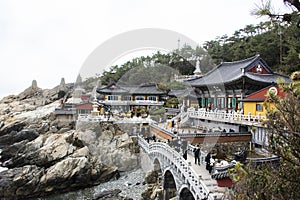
x=203, y=102
x=152, y=98
x=229, y=102
x=221, y=103
x=140, y=98
x=208, y=102
x=127, y=98
x=233, y=102
x=259, y=107
x=113, y=98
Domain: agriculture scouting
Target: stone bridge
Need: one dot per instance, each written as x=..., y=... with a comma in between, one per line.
x=179, y=178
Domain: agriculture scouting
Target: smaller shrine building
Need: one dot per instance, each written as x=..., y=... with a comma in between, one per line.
x=126, y=98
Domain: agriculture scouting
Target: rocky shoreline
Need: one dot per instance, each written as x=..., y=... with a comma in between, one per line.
x=129, y=186
x=44, y=156
x=50, y=163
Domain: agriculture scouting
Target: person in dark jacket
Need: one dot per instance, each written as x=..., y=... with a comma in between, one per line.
x=185, y=154
x=207, y=161
x=197, y=154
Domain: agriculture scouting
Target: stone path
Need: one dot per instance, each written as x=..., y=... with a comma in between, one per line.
x=204, y=175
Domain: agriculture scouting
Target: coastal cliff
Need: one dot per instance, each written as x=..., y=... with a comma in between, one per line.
x=42, y=155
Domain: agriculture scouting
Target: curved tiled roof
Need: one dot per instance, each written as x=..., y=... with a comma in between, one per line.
x=133, y=89
x=183, y=93
x=260, y=96
x=267, y=78
x=144, y=89
x=228, y=72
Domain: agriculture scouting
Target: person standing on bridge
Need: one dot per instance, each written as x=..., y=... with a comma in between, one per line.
x=185, y=154
x=197, y=154
x=207, y=160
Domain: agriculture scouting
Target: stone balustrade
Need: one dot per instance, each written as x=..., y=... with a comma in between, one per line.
x=223, y=116
x=181, y=167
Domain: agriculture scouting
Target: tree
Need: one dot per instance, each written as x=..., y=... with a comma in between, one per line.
x=284, y=125
x=265, y=9
x=272, y=181
x=276, y=42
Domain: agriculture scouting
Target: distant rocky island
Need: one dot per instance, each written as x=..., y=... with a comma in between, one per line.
x=42, y=155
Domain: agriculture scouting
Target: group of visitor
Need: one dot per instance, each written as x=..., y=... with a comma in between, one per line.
x=210, y=162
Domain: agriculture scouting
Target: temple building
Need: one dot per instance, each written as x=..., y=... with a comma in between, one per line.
x=226, y=86
x=126, y=98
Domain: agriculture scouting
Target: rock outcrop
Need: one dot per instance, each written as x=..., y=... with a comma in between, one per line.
x=109, y=144
x=44, y=155
x=154, y=190
x=110, y=195
x=51, y=163
x=30, y=99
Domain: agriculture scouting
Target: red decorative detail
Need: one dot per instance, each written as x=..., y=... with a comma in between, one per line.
x=262, y=94
x=259, y=69
x=85, y=97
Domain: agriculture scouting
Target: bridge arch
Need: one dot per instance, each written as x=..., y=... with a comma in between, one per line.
x=169, y=185
x=178, y=178
x=185, y=194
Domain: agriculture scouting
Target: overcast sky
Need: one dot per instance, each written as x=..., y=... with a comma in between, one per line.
x=46, y=40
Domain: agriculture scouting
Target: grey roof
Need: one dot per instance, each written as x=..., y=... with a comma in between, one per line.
x=229, y=72
x=133, y=89
x=112, y=88
x=144, y=89
x=267, y=78
x=189, y=92
x=64, y=112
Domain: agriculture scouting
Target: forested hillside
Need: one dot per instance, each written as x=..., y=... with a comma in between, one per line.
x=277, y=41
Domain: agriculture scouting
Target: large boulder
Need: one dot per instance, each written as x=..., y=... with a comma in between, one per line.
x=69, y=174
x=9, y=152
x=14, y=137
x=52, y=163
x=19, y=182
x=43, y=151
x=154, y=190
x=14, y=125
x=109, y=144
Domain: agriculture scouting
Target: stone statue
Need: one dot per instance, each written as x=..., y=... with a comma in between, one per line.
x=182, y=107
x=34, y=85
x=78, y=80
x=62, y=85
x=197, y=70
